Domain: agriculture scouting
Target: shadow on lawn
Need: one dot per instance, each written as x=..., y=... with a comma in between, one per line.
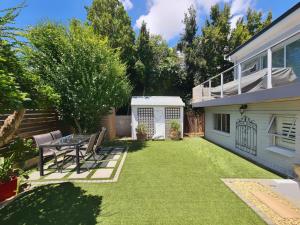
x=53, y=204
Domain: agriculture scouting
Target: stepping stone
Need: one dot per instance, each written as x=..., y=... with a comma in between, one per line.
x=104, y=164
x=79, y=176
x=102, y=173
x=116, y=157
x=90, y=165
x=55, y=176
x=111, y=164
x=283, y=210
x=71, y=167
x=34, y=175
x=116, y=152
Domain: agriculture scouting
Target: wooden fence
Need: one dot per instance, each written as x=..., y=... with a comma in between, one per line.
x=35, y=122
x=194, y=123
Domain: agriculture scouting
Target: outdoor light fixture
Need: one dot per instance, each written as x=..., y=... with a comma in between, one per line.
x=243, y=109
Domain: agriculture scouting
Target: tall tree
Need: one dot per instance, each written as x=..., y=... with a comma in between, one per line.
x=239, y=34
x=255, y=22
x=144, y=64
x=214, y=43
x=165, y=78
x=110, y=19
x=186, y=45
x=217, y=39
x=82, y=68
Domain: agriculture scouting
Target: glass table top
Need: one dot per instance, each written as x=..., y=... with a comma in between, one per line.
x=73, y=139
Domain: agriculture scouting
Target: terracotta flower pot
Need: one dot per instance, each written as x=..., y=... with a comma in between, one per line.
x=141, y=136
x=8, y=189
x=175, y=135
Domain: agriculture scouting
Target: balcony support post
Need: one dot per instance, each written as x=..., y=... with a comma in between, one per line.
x=269, y=75
x=209, y=87
x=222, y=88
x=239, y=79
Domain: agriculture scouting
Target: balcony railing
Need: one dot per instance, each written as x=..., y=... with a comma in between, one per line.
x=234, y=81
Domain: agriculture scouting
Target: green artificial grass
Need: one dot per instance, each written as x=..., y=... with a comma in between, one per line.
x=163, y=182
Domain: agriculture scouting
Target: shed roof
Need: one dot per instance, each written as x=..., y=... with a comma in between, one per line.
x=157, y=101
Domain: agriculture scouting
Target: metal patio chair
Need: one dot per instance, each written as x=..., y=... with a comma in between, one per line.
x=83, y=153
x=47, y=152
x=56, y=134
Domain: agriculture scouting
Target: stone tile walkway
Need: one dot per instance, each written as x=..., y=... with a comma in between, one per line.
x=102, y=173
x=276, y=201
x=107, y=170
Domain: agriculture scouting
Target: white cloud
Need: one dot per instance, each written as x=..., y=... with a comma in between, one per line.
x=127, y=4
x=165, y=17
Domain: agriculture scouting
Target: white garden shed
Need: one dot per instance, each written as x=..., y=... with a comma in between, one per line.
x=156, y=113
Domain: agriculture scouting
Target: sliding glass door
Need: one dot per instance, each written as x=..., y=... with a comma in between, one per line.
x=293, y=56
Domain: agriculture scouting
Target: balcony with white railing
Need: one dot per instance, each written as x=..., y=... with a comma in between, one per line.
x=276, y=66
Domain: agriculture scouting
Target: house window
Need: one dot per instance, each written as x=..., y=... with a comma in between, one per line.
x=293, y=56
x=278, y=58
x=255, y=64
x=283, y=131
x=251, y=66
x=222, y=122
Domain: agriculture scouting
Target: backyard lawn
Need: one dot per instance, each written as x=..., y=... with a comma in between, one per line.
x=162, y=182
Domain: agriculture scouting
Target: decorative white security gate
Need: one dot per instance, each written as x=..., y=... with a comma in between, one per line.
x=171, y=114
x=246, y=135
x=146, y=117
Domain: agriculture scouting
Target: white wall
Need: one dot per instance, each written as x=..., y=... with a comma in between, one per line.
x=159, y=120
x=261, y=113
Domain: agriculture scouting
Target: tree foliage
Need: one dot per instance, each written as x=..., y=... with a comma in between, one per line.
x=109, y=19
x=18, y=87
x=81, y=67
x=187, y=46
x=157, y=67
x=204, y=53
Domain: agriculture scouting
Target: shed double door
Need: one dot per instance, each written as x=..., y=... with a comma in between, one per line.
x=146, y=117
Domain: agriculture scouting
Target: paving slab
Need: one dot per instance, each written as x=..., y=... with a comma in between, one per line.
x=82, y=175
x=116, y=157
x=56, y=176
x=71, y=167
x=34, y=175
x=102, y=173
x=111, y=164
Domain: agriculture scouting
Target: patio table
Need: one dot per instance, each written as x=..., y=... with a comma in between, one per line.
x=73, y=141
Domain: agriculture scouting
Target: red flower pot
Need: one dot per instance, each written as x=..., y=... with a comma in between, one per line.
x=8, y=189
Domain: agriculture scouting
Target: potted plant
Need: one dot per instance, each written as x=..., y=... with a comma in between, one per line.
x=25, y=154
x=8, y=178
x=141, y=132
x=175, y=133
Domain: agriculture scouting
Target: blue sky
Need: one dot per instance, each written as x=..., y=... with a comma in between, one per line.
x=162, y=16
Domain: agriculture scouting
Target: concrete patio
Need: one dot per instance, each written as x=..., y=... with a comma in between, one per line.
x=106, y=170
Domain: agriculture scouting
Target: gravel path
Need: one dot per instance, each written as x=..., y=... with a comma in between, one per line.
x=266, y=202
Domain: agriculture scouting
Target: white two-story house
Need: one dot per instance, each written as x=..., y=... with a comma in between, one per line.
x=253, y=108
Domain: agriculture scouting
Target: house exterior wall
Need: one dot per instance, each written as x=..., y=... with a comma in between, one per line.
x=159, y=120
x=261, y=113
